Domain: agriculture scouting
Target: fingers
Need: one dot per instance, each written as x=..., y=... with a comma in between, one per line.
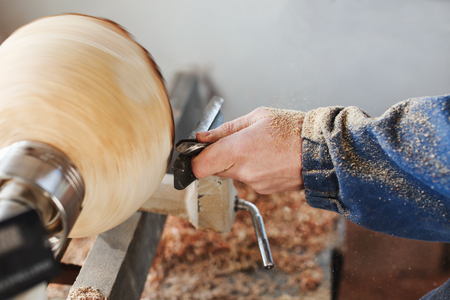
x=264, y=186
x=224, y=130
x=214, y=159
x=231, y=127
x=244, y=150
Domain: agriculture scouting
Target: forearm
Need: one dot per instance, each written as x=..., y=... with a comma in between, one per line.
x=389, y=174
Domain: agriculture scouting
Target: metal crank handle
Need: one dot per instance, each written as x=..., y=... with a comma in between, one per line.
x=260, y=231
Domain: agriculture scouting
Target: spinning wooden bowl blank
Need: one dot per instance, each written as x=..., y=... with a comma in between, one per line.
x=83, y=85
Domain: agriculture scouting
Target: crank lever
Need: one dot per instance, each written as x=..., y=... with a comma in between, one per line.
x=260, y=231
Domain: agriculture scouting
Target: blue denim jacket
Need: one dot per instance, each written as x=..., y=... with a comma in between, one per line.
x=389, y=174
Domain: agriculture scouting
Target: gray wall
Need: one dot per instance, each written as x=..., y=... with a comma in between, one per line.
x=293, y=54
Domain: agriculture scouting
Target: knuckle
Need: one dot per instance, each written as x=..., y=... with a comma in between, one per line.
x=258, y=113
x=259, y=110
x=228, y=127
x=197, y=169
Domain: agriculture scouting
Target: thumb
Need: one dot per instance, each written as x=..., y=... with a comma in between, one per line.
x=231, y=127
x=213, y=159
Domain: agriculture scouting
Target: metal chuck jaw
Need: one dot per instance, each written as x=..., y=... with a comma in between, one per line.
x=41, y=193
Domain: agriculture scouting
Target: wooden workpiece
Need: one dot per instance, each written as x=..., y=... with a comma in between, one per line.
x=115, y=256
x=84, y=86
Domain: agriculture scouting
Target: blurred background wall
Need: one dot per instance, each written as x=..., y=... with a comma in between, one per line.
x=297, y=54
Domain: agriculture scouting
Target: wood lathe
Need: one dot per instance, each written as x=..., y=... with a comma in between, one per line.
x=87, y=136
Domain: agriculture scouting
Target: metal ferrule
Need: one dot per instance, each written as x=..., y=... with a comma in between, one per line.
x=41, y=177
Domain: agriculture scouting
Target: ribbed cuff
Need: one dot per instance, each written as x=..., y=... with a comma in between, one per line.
x=319, y=175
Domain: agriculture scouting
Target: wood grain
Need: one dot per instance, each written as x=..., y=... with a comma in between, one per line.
x=83, y=85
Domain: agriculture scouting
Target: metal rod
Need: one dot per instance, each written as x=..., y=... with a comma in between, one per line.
x=260, y=231
x=210, y=113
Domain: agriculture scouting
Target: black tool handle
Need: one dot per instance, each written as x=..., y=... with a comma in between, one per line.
x=182, y=172
x=182, y=169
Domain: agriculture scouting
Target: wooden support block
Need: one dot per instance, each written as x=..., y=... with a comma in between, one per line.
x=216, y=202
x=169, y=201
x=207, y=203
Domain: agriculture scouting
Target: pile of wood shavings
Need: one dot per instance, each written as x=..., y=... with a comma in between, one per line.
x=85, y=293
x=194, y=264
x=75, y=254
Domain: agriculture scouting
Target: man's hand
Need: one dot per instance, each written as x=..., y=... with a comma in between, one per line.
x=261, y=149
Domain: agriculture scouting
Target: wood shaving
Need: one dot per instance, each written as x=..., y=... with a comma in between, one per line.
x=85, y=293
x=76, y=254
x=194, y=264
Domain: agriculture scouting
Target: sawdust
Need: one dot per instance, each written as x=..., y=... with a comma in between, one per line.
x=284, y=125
x=194, y=264
x=85, y=293
x=403, y=142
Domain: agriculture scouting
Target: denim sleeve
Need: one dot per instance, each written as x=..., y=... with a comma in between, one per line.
x=389, y=174
x=440, y=293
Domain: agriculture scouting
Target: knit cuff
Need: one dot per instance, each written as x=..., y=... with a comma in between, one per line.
x=319, y=175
